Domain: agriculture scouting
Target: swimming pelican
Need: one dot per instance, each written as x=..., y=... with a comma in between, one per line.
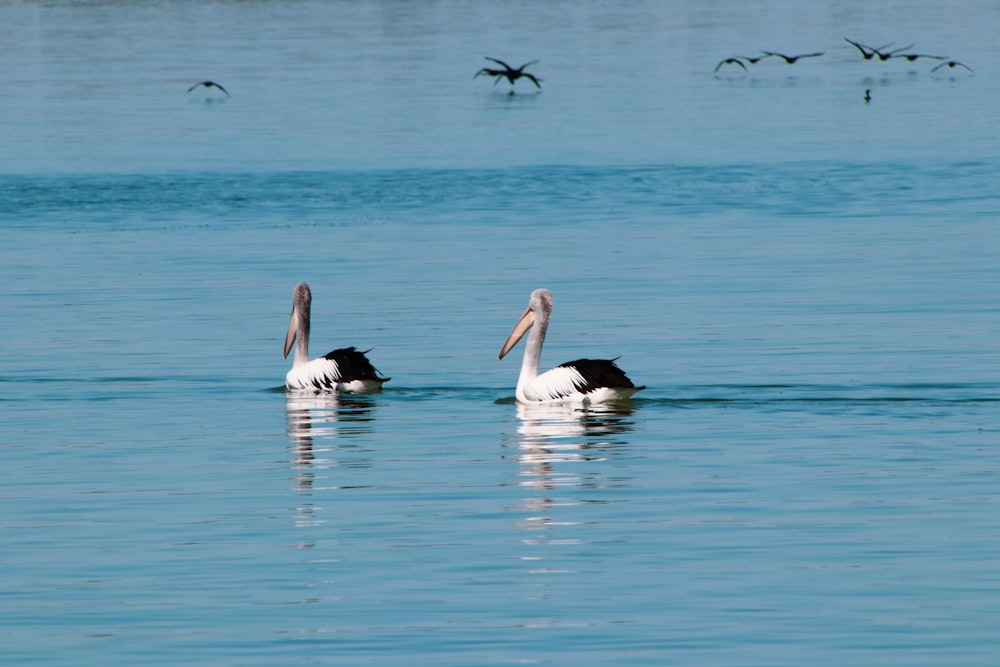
x=581, y=381
x=344, y=370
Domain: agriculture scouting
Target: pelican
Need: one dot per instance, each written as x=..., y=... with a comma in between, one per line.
x=582, y=381
x=345, y=370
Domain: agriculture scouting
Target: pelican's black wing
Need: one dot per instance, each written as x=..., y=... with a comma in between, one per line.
x=598, y=373
x=354, y=365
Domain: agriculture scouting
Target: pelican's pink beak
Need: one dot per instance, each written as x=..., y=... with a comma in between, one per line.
x=521, y=328
x=292, y=330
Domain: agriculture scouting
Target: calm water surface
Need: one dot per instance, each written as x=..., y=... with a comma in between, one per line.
x=805, y=282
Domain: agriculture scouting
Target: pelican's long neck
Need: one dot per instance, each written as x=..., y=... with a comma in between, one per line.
x=533, y=347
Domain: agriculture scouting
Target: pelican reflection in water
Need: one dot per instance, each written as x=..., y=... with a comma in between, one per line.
x=554, y=440
x=320, y=429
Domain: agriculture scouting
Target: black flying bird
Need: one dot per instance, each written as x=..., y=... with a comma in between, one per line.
x=508, y=72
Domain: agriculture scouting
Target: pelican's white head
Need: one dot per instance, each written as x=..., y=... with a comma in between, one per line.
x=537, y=313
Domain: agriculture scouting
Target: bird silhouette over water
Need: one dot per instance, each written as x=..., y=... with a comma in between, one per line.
x=883, y=56
x=951, y=64
x=753, y=60
x=868, y=95
x=791, y=59
x=731, y=61
x=867, y=52
x=209, y=84
x=913, y=56
x=512, y=74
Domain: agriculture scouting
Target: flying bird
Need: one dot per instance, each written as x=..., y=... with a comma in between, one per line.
x=510, y=73
x=582, y=381
x=951, y=64
x=791, y=59
x=209, y=84
x=913, y=56
x=731, y=61
x=867, y=52
x=885, y=55
x=753, y=60
x=345, y=370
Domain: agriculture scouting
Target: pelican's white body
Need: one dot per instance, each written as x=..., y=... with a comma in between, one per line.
x=345, y=370
x=561, y=385
x=325, y=374
x=583, y=381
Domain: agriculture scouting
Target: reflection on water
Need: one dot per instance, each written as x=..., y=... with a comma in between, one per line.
x=556, y=443
x=320, y=427
x=554, y=434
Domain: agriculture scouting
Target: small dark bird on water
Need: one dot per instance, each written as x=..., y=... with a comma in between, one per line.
x=209, y=84
x=868, y=95
x=731, y=61
x=510, y=73
x=951, y=64
x=791, y=59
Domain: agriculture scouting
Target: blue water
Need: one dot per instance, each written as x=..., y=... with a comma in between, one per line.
x=806, y=283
